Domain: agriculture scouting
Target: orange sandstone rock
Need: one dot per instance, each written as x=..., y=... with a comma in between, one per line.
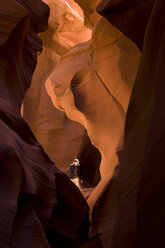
x=60, y=137
x=95, y=91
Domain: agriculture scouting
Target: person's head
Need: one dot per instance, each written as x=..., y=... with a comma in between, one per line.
x=76, y=162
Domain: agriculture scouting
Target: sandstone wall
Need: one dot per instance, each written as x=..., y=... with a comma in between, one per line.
x=130, y=211
x=60, y=137
x=96, y=90
x=32, y=189
x=39, y=206
x=140, y=181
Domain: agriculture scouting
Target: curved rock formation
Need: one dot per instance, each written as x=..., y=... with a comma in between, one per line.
x=140, y=182
x=130, y=211
x=31, y=187
x=66, y=26
x=128, y=204
x=60, y=137
x=95, y=92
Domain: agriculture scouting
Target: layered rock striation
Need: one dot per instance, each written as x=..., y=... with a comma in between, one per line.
x=32, y=189
x=130, y=211
x=60, y=137
x=140, y=182
x=96, y=90
x=127, y=206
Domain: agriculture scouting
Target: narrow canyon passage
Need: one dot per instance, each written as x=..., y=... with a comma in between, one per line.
x=82, y=124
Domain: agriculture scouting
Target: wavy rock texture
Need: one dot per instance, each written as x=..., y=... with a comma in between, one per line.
x=95, y=92
x=32, y=190
x=60, y=137
x=141, y=202
x=130, y=211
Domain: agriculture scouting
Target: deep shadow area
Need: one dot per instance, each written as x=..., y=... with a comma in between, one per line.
x=90, y=158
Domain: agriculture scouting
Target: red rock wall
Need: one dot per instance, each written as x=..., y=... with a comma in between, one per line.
x=95, y=91
x=31, y=187
x=130, y=212
x=60, y=137
x=127, y=207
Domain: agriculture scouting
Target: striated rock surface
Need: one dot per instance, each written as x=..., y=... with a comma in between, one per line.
x=32, y=189
x=130, y=211
x=140, y=182
x=60, y=137
x=96, y=90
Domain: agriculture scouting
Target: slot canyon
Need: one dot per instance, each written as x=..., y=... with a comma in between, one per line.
x=83, y=81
